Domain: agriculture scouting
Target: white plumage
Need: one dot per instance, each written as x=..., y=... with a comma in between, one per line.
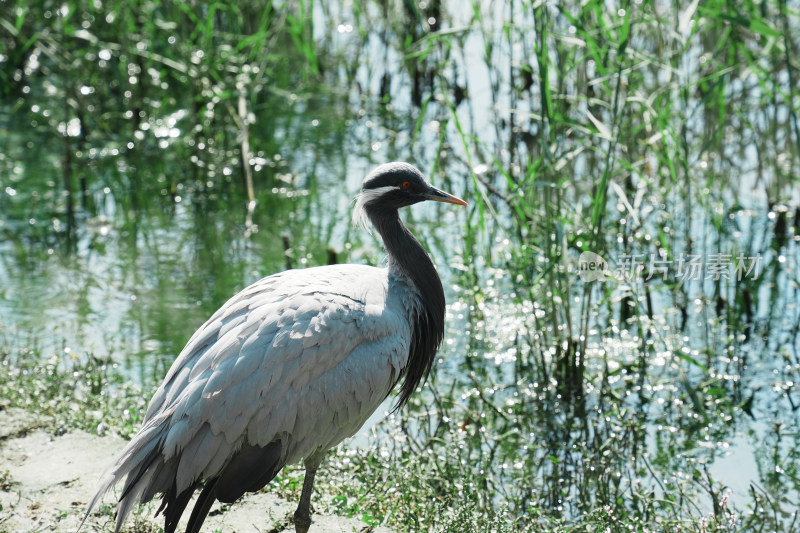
x=287, y=369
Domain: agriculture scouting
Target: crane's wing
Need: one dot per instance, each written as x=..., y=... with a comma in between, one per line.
x=301, y=359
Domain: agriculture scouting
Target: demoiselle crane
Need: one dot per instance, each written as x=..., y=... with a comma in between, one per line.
x=288, y=368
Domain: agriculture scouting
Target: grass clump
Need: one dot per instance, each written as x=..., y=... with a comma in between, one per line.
x=89, y=394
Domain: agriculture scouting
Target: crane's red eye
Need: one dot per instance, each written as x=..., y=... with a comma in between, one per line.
x=406, y=184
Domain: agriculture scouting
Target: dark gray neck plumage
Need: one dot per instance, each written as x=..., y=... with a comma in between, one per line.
x=408, y=256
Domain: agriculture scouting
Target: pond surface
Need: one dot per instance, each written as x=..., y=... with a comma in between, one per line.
x=623, y=289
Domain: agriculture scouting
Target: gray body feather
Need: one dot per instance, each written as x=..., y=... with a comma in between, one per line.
x=284, y=346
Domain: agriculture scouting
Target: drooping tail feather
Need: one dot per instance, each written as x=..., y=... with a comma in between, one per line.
x=173, y=506
x=202, y=507
x=138, y=463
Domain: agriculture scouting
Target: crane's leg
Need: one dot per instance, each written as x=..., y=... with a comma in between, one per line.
x=302, y=516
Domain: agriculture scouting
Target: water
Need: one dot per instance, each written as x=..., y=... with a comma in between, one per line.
x=124, y=225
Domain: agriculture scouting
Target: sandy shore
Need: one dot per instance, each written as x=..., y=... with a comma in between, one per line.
x=46, y=482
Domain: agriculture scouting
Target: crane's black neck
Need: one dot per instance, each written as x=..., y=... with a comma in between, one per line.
x=408, y=257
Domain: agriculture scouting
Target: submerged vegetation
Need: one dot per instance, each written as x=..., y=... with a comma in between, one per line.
x=623, y=350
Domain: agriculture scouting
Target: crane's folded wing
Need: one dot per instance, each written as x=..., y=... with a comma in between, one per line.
x=279, y=361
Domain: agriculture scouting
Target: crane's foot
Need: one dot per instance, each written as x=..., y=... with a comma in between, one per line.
x=302, y=521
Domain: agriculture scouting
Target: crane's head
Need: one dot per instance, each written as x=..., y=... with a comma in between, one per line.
x=395, y=185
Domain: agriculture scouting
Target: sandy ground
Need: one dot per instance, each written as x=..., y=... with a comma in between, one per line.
x=46, y=482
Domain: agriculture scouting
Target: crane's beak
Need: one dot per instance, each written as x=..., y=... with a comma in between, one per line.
x=436, y=195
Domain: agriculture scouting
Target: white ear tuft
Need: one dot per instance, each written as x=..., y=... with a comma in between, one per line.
x=363, y=199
